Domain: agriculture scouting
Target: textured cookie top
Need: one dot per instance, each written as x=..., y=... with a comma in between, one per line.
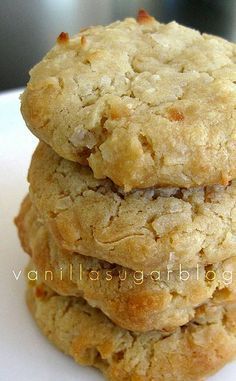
x=143, y=230
x=141, y=102
x=191, y=353
x=139, y=303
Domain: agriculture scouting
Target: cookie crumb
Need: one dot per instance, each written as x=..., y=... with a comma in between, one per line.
x=143, y=17
x=63, y=38
x=175, y=115
x=83, y=41
x=40, y=292
x=225, y=179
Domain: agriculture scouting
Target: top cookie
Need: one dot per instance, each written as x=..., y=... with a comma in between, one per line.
x=140, y=102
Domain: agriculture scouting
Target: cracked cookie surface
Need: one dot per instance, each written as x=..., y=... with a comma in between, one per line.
x=144, y=230
x=191, y=353
x=140, y=102
x=160, y=301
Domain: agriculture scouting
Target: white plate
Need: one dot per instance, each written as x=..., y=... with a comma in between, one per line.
x=24, y=353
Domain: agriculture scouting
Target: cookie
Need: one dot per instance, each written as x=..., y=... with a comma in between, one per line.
x=160, y=301
x=140, y=102
x=142, y=230
x=190, y=353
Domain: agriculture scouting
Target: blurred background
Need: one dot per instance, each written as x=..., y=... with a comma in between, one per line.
x=28, y=28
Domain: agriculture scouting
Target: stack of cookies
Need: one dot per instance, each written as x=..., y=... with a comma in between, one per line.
x=130, y=221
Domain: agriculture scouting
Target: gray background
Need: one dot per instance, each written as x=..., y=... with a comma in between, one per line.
x=28, y=28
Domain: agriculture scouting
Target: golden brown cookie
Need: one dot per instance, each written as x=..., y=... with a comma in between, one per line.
x=191, y=353
x=158, y=301
x=142, y=230
x=141, y=102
